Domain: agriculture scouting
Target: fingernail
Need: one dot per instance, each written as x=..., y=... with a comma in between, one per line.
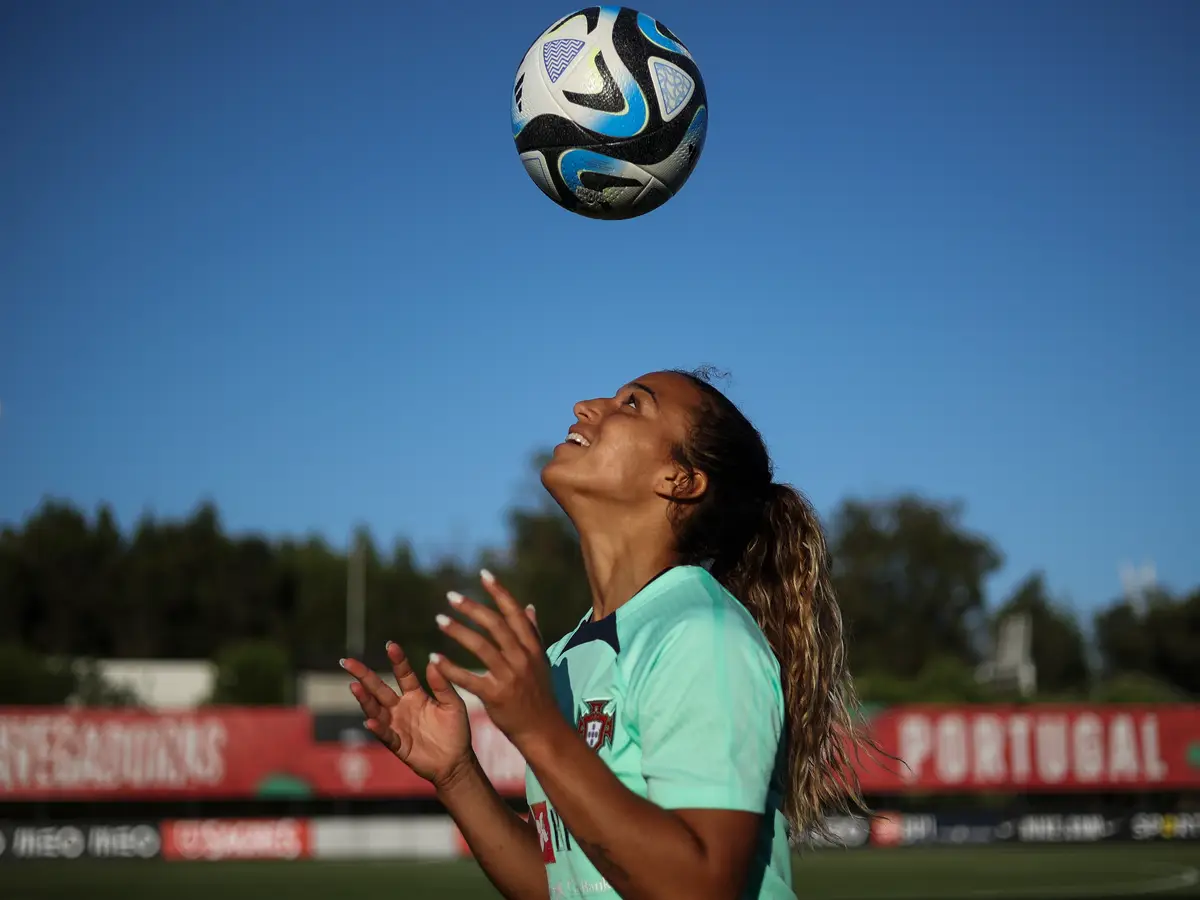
x=442, y=621
x=487, y=576
x=454, y=597
x=435, y=658
x=342, y=663
x=388, y=645
x=530, y=609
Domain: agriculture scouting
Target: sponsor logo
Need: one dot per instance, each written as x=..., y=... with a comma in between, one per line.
x=986, y=748
x=541, y=821
x=216, y=839
x=140, y=841
x=1165, y=826
x=596, y=726
x=1056, y=829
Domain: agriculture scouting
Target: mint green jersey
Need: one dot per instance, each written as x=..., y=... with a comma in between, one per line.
x=680, y=694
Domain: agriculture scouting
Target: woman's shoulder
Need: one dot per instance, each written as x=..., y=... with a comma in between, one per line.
x=693, y=608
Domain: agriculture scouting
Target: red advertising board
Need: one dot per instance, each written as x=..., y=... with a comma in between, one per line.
x=1035, y=748
x=226, y=752
x=239, y=752
x=218, y=839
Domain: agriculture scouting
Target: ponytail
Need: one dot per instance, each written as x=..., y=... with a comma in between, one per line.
x=766, y=547
x=783, y=578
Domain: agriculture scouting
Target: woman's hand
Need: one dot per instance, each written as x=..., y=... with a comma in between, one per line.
x=428, y=732
x=516, y=689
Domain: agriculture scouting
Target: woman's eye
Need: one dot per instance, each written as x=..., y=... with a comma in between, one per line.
x=631, y=400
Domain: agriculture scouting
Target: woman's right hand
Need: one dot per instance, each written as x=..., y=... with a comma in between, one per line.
x=428, y=731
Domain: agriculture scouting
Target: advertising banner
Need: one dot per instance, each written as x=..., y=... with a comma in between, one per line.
x=233, y=752
x=1035, y=748
x=212, y=753
x=221, y=839
x=126, y=840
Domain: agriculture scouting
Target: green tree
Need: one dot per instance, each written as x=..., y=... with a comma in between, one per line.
x=253, y=673
x=910, y=579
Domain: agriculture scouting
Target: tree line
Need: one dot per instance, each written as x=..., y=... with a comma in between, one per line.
x=911, y=580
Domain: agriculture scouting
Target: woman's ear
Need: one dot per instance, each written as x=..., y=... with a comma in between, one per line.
x=683, y=485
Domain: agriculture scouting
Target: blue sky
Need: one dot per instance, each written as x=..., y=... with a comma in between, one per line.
x=282, y=254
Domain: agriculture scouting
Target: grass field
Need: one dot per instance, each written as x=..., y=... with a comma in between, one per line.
x=1000, y=873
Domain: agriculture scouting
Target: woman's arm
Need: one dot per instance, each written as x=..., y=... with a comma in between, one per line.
x=505, y=846
x=644, y=851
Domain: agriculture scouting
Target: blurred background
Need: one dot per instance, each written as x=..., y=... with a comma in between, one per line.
x=285, y=329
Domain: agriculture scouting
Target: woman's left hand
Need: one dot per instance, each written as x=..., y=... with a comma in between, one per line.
x=516, y=689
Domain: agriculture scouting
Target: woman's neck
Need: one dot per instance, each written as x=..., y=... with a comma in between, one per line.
x=620, y=562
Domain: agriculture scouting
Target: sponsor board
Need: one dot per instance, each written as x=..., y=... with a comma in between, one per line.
x=227, y=752
x=1036, y=748
x=1165, y=826
x=1061, y=828
x=222, y=839
x=80, y=841
x=384, y=837
x=846, y=831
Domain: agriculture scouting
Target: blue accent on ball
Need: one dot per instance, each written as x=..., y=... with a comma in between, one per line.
x=649, y=29
x=572, y=162
x=634, y=118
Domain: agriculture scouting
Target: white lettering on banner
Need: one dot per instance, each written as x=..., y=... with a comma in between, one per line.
x=214, y=839
x=1181, y=826
x=1055, y=828
x=48, y=842
x=951, y=760
x=128, y=841
x=1050, y=748
x=1018, y=734
x=60, y=752
x=989, y=749
x=986, y=748
x=1088, y=742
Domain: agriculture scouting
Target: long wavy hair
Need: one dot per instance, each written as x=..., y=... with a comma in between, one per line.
x=764, y=542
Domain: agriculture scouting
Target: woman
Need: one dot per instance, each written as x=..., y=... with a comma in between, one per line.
x=701, y=707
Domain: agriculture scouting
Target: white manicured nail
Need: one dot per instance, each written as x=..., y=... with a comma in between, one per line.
x=443, y=621
x=454, y=597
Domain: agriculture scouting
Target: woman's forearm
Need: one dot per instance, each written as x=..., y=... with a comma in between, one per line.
x=504, y=845
x=645, y=852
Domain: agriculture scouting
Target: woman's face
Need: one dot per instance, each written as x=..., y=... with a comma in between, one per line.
x=619, y=448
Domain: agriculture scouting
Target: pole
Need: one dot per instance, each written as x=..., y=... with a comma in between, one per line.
x=356, y=591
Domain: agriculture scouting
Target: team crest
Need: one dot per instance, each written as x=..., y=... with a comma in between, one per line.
x=596, y=726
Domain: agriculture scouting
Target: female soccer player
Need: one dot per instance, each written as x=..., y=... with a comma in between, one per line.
x=699, y=708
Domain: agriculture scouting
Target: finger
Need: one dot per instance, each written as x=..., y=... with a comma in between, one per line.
x=513, y=613
x=371, y=707
x=456, y=674
x=531, y=615
x=387, y=736
x=402, y=669
x=491, y=621
x=372, y=682
x=492, y=658
x=443, y=692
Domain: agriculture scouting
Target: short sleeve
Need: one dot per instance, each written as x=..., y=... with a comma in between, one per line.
x=710, y=715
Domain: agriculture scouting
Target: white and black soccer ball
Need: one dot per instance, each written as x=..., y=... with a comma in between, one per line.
x=609, y=113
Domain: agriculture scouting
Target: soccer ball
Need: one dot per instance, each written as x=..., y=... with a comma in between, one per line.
x=609, y=113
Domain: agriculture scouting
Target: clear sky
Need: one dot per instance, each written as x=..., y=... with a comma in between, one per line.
x=282, y=254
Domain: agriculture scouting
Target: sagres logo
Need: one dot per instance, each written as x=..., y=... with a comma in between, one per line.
x=596, y=725
x=541, y=821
